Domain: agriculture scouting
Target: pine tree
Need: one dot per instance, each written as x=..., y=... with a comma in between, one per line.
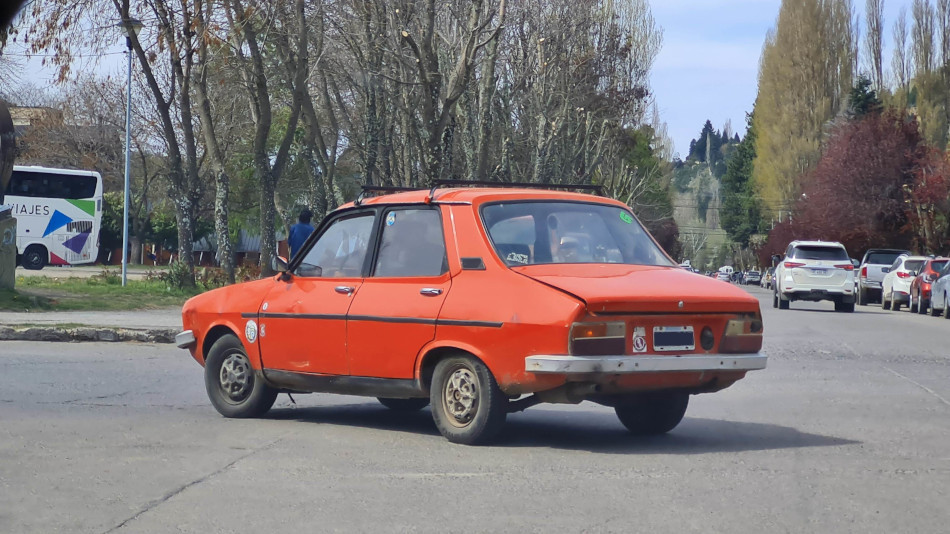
x=740, y=213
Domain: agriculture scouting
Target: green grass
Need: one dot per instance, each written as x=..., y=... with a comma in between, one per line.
x=98, y=293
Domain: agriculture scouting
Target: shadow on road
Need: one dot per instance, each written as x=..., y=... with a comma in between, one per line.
x=582, y=431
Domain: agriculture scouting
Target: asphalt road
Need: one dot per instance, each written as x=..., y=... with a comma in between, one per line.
x=846, y=431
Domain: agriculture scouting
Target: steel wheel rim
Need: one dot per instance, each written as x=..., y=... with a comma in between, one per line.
x=235, y=377
x=33, y=259
x=460, y=396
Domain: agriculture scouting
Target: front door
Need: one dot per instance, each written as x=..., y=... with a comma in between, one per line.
x=303, y=319
x=394, y=313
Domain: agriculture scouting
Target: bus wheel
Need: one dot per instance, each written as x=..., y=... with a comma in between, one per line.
x=34, y=258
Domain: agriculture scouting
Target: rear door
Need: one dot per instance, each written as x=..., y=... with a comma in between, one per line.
x=394, y=313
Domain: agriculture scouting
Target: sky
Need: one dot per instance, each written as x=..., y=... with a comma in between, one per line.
x=707, y=68
x=709, y=64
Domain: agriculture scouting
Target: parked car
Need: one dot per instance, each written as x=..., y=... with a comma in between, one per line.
x=752, y=277
x=895, y=287
x=467, y=299
x=940, y=294
x=814, y=271
x=723, y=276
x=867, y=283
x=922, y=284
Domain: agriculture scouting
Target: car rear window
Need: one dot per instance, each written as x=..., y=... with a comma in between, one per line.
x=539, y=232
x=882, y=258
x=938, y=265
x=814, y=252
x=913, y=265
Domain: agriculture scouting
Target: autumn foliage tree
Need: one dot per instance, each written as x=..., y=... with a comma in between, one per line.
x=877, y=184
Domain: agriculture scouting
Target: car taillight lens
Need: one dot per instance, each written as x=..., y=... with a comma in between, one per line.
x=902, y=274
x=598, y=339
x=845, y=266
x=743, y=334
x=864, y=272
x=793, y=264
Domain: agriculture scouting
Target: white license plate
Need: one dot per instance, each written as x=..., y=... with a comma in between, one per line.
x=673, y=338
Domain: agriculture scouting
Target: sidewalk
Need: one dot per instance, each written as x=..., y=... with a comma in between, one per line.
x=155, y=326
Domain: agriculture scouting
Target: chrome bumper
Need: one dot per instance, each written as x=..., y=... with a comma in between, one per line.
x=642, y=364
x=184, y=339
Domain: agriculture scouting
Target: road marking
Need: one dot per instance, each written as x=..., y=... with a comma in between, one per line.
x=921, y=386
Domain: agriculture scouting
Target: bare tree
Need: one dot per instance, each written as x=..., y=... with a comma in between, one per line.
x=899, y=61
x=874, y=41
x=922, y=37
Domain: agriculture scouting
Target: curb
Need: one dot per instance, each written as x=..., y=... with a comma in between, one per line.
x=86, y=334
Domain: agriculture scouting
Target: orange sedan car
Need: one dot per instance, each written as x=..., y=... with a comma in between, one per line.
x=478, y=302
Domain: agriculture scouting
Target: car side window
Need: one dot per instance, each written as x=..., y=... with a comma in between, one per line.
x=340, y=250
x=411, y=244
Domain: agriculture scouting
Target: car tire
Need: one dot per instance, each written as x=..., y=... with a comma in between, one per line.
x=885, y=305
x=922, y=306
x=934, y=312
x=34, y=258
x=654, y=413
x=946, y=308
x=846, y=307
x=468, y=407
x=775, y=299
x=403, y=405
x=782, y=303
x=895, y=304
x=910, y=305
x=234, y=387
x=862, y=296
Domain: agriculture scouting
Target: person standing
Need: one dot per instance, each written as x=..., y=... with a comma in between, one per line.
x=300, y=231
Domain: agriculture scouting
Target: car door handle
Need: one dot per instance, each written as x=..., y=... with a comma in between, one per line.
x=430, y=291
x=346, y=290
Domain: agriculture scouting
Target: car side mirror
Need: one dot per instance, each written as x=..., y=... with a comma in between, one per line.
x=885, y=269
x=279, y=264
x=855, y=262
x=776, y=259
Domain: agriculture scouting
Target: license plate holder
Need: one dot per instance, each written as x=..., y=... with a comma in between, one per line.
x=673, y=338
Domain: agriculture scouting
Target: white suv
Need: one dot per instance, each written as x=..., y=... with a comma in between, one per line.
x=895, y=288
x=814, y=271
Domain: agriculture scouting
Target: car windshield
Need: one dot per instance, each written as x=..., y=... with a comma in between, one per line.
x=530, y=233
x=812, y=252
x=882, y=258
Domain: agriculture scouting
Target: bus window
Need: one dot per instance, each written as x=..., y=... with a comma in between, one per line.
x=49, y=185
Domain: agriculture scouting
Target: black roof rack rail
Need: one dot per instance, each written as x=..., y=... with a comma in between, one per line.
x=381, y=189
x=599, y=189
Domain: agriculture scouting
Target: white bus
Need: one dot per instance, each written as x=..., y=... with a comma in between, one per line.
x=58, y=213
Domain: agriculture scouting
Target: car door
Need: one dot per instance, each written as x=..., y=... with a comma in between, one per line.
x=394, y=313
x=303, y=318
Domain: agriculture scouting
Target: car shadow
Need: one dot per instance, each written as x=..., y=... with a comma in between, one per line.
x=579, y=430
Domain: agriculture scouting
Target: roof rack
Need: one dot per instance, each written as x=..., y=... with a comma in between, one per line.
x=598, y=189
x=381, y=189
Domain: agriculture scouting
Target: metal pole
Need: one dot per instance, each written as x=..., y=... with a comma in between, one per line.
x=128, y=169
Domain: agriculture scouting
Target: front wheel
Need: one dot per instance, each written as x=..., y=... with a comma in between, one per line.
x=468, y=407
x=651, y=414
x=233, y=386
x=34, y=258
x=403, y=405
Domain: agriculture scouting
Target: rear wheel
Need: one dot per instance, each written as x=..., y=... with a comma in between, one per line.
x=654, y=413
x=34, y=258
x=946, y=308
x=912, y=306
x=885, y=305
x=233, y=386
x=403, y=405
x=934, y=312
x=922, y=305
x=782, y=302
x=895, y=304
x=467, y=405
x=847, y=307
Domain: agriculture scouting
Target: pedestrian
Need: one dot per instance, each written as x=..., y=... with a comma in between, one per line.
x=300, y=231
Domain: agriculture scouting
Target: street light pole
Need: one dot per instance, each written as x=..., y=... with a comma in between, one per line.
x=131, y=27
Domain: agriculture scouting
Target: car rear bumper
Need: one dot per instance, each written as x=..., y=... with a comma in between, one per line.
x=563, y=364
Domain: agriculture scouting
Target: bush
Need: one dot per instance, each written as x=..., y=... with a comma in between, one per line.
x=178, y=276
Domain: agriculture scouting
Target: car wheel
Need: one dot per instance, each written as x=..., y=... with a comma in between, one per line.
x=847, y=307
x=775, y=299
x=946, y=308
x=468, y=407
x=650, y=414
x=782, y=302
x=233, y=386
x=934, y=312
x=34, y=258
x=861, y=296
x=885, y=305
x=922, y=305
x=895, y=304
x=911, y=306
x=403, y=405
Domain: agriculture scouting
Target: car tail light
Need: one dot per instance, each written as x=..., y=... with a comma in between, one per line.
x=864, y=271
x=793, y=264
x=902, y=274
x=743, y=334
x=598, y=339
x=845, y=266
